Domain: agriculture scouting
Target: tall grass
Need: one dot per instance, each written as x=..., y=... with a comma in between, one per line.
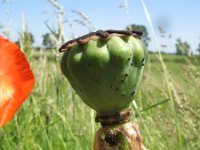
x=169, y=84
x=167, y=107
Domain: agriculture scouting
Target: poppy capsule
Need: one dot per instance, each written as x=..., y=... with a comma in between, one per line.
x=16, y=80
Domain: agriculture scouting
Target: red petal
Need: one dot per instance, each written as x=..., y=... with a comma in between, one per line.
x=16, y=80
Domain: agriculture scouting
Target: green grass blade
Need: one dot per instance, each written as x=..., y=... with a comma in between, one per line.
x=156, y=104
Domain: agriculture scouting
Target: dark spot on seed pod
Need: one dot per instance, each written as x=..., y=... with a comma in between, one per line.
x=122, y=80
x=131, y=64
x=129, y=59
x=116, y=89
x=143, y=60
x=111, y=87
x=126, y=75
x=80, y=89
x=111, y=139
x=132, y=93
x=123, y=95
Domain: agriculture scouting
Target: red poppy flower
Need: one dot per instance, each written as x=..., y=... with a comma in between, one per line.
x=16, y=80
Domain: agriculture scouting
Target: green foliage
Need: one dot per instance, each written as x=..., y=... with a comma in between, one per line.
x=25, y=41
x=145, y=38
x=49, y=40
x=182, y=48
x=27, y=37
x=198, y=49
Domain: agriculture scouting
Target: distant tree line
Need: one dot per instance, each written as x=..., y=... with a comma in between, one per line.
x=145, y=36
x=49, y=40
x=26, y=39
x=198, y=49
x=183, y=48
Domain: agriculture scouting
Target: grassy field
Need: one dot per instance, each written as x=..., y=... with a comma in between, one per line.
x=54, y=118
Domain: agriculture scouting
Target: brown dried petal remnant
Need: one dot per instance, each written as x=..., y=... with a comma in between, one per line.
x=96, y=35
x=115, y=118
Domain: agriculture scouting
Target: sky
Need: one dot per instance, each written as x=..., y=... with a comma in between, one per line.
x=179, y=18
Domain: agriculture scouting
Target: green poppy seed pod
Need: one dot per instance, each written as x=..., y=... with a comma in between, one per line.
x=105, y=68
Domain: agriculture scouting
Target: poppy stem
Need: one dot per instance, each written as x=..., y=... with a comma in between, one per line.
x=117, y=133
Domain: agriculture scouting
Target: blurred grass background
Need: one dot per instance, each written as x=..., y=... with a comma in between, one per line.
x=54, y=118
